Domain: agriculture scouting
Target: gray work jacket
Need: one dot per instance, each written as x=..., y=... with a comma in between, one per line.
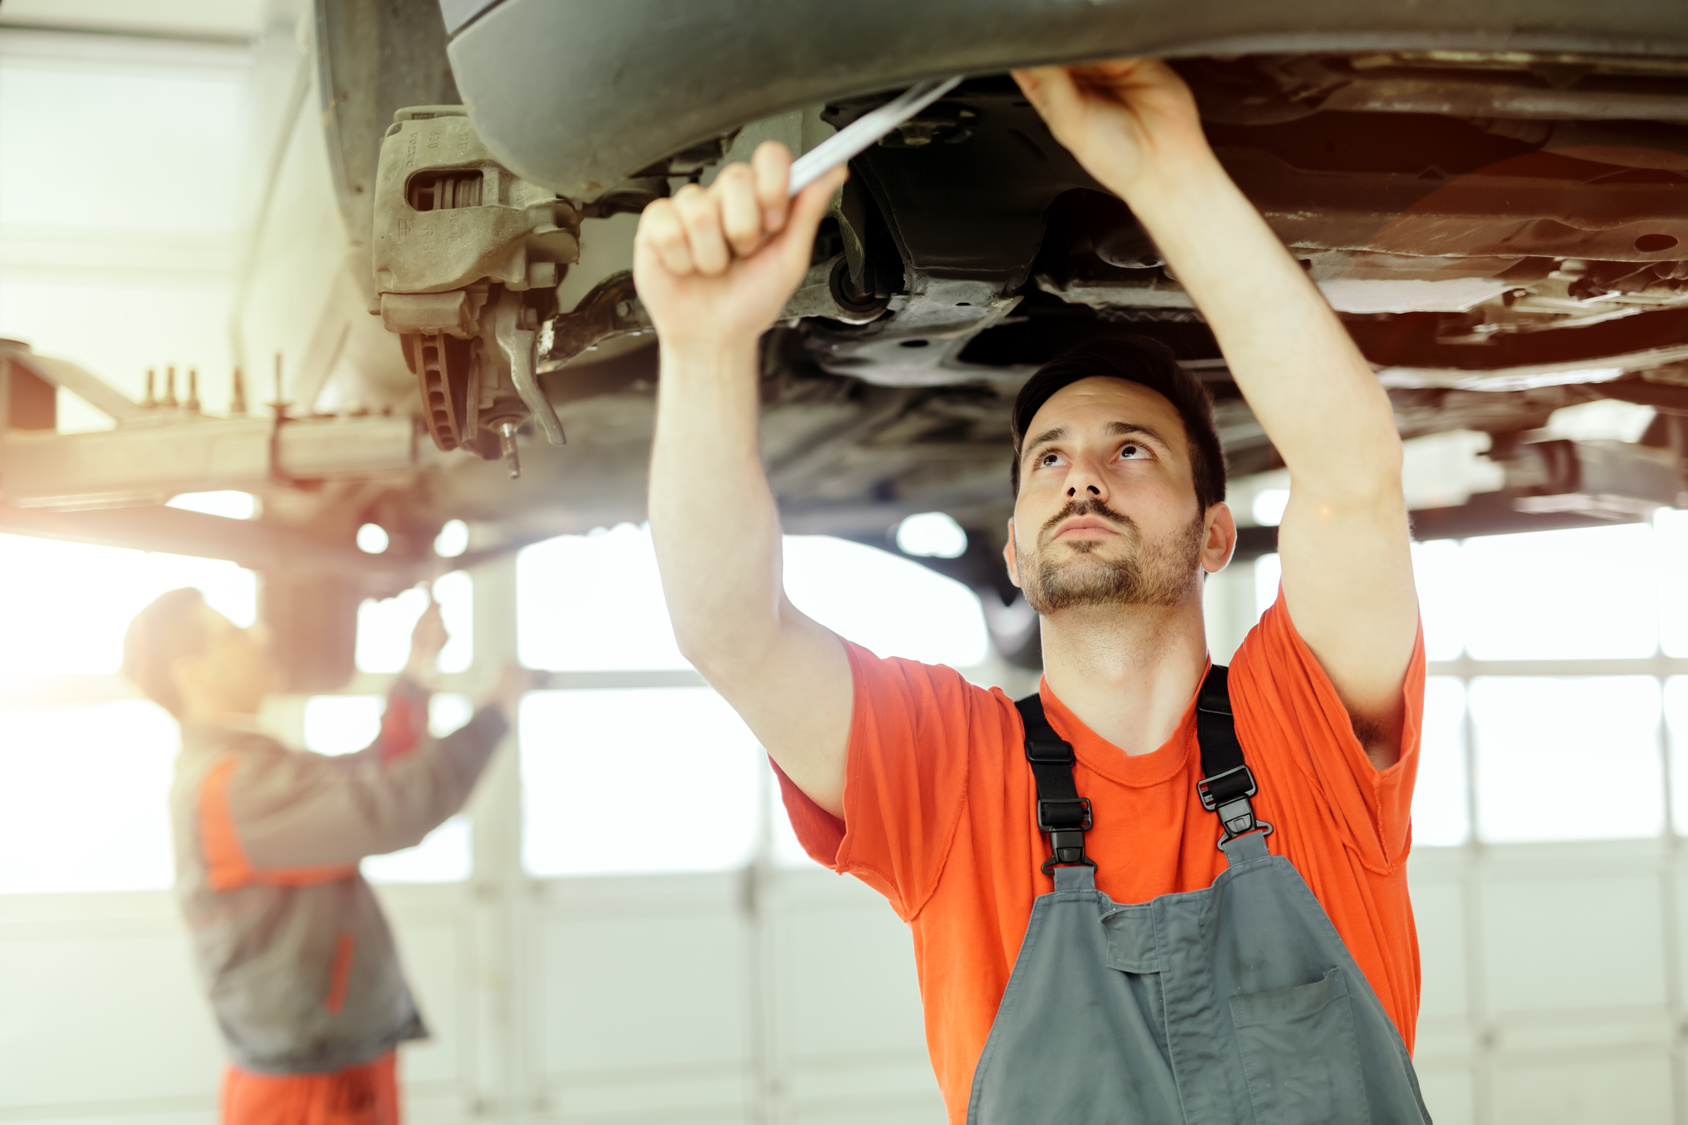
x=294, y=951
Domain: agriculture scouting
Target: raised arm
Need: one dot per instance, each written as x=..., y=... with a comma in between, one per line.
x=714, y=267
x=1344, y=540
x=277, y=816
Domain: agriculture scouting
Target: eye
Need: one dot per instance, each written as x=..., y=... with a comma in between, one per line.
x=1047, y=458
x=1133, y=451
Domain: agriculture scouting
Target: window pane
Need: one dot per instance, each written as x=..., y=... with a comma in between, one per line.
x=593, y=602
x=1676, y=729
x=1561, y=595
x=65, y=606
x=888, y=604
x=156, y=260
x=1441, y=597
x=1268, y=572
x=448, y=710
x=151, y=120
x=84, y=795
x=1567, y=759
x=1440, y=816
x=636, y=780
x=1672, y=535
x=384, y=626
x=341, y=724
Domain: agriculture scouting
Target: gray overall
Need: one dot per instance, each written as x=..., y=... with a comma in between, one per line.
x=1236, y=1004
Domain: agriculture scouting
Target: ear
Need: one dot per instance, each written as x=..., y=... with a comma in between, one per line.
x=1220, y=540
x=1009, y=557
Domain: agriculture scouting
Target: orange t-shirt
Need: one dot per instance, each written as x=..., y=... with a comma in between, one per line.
x=939, y=818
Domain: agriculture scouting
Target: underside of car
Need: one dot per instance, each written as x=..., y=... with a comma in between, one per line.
x=1493, y=196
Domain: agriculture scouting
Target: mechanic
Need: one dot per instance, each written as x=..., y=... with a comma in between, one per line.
x=1223, y=992
x=295, y=953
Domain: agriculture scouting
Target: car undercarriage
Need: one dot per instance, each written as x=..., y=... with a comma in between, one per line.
x=1495, y=203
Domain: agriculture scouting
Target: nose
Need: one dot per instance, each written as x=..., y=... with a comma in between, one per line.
x=1085, y=479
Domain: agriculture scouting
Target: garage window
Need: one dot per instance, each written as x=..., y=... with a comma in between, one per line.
x=636, y=725
x=1556, y=707
x=637, y=780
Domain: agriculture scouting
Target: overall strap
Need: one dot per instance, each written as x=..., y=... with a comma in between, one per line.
x=1061, y=812
x=1227, y=783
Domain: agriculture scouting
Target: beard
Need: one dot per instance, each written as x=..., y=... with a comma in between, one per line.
x=1065, y=576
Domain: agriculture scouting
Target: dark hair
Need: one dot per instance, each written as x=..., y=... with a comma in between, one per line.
x=161, y=634
x=1148, y=363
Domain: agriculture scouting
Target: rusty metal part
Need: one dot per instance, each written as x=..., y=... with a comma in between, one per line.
x=85, y=385
x=448, y=215
x=507, y=448
x=611, y=309
x=456, y=312
x=511, y=327
x=1523, y=88
x=196, y=454
x=448, y=374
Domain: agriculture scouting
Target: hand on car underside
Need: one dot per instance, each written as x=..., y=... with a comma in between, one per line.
x=1122, y=118
x=715, y=265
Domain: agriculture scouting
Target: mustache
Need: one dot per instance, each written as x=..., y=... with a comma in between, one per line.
x=1088, y=506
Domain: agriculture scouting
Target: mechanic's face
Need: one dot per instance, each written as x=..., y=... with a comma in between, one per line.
x=1107, y=511
x=233, y=674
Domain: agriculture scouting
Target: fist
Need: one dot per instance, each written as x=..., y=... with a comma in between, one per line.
x=1125, y=119
x=714, y=266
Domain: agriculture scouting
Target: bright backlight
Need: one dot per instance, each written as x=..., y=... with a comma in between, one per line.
x=64, y=606
x=595, y=602
x=933, y=535
x=1269, y=505
x=229, y=505
x=452, y=540
x=372, y=539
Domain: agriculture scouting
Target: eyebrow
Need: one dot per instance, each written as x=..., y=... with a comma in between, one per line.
x=1132, y=429
x=1115, y=429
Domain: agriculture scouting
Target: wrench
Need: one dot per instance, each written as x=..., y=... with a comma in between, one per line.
x=858, y=136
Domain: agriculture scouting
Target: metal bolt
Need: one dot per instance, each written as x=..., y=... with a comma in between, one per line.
x=507, y=446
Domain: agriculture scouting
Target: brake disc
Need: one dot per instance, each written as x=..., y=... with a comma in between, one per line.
x=448, y=371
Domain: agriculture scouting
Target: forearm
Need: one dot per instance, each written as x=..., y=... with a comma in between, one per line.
x=1301, y=373
x=714, y=521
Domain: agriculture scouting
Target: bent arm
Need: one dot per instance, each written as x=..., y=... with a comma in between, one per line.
x=1344, y=541
x=404, y=721
x=278, y=816
x=714, y=268
x=717, y=534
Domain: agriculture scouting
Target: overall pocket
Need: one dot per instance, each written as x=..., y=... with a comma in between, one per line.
x=1300, y=1054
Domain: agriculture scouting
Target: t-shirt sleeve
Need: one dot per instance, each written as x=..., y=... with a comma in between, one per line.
x=1293, y=708
x=905, y=780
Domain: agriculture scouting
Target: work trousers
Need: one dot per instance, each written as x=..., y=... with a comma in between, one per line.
x=366, y=1094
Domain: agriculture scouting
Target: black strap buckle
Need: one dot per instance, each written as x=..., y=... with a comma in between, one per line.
x=1066, y=820
x=1064, y=814
x=1228, y=795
